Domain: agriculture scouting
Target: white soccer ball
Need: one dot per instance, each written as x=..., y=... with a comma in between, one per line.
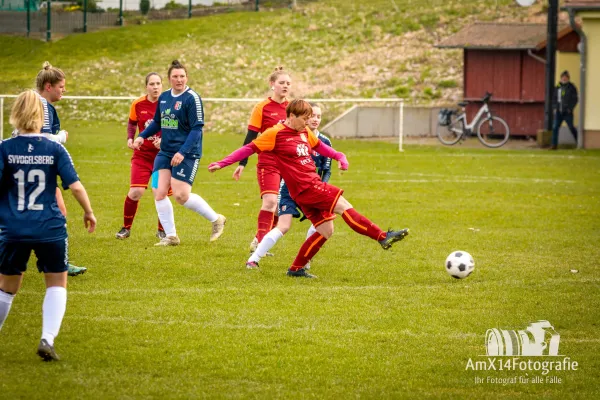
x=459, y=264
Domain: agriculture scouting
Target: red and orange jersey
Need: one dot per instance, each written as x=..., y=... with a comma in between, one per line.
x=142, y=112
x=292, y=152
x=266, y=114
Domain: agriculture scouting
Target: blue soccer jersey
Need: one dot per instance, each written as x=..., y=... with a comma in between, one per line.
x=180, y=118
x=29, y=166
x=49, y=112
x=54, y=120
x=323, y=163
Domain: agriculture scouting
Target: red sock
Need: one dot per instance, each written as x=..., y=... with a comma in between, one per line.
x=311, y=246
x=275, y=221
x=160, y=227
x=362, y=225
x=129, y=210
x=265, y=222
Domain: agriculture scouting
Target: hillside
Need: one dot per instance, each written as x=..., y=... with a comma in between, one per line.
x=334, y=48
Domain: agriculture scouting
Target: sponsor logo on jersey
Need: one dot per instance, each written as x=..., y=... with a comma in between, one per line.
x=144, y=112
x=302, y=150
x=30, y=148
x=177, y=105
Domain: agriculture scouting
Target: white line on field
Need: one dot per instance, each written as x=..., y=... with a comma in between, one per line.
x=478, y=177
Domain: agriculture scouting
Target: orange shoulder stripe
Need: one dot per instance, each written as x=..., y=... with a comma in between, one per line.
x=257, y=115
x=266, y=141
x=132, y=113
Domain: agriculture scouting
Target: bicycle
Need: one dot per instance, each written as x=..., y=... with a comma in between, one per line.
x=453, y=126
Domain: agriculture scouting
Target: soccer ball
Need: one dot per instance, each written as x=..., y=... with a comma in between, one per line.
x=459, y=264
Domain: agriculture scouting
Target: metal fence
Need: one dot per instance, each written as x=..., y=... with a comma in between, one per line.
x=40, y=23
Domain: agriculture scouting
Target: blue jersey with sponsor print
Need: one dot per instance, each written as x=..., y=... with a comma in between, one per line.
x=323, y=163
x=177, y=116
x=29, y=167
x=54, y=120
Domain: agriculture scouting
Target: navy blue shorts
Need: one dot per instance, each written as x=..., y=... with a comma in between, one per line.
x=51, y=256
x=185, y=172
x=286, y=205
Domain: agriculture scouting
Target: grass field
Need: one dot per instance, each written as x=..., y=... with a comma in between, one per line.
x=192, y=322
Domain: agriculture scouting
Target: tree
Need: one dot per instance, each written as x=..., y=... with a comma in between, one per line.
x=144, y=6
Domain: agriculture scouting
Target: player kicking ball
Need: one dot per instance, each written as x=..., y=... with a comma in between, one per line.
x=291, y=144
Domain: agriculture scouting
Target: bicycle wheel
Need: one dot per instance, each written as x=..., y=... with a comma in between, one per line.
x=493, y=132
x=450, y=134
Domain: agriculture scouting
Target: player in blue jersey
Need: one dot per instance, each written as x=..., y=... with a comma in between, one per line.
x=50, y=84
x=180, y=117
x=287, y=207
x=30, y=219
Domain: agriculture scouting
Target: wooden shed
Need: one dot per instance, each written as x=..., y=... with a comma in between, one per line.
x=508, y=60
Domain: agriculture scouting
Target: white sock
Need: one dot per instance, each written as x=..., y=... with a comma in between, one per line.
x=5, y=303
x=53, y=311
x=311, y=230
x=199, y=205
x=164, y=208
x=266, y=244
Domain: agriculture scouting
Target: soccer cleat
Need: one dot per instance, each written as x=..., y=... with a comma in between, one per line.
x=300, y=273
x=252, y=265
x=75, y=270
x=161, y=234
x=124, y=233
x=217, y=227
x=168, y=241
x=392, y=237
x=47, y=352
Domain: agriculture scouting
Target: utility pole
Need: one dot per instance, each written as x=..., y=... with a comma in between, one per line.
x=550, y=62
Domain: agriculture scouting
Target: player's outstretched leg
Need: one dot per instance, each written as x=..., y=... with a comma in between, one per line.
x=263, y=248
x=361, y=224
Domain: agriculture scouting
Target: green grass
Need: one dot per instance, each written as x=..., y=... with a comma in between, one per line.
x=192, y=322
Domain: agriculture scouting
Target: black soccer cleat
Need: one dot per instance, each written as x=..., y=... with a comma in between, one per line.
x=47, y=352
x=300, y=273
x=123, y=234
x=392, y=237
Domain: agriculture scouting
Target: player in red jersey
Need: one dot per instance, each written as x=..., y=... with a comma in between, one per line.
x=142, y=162
x=291, y=145
x=266, y=114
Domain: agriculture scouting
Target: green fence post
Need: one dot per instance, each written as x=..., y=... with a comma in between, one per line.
x=28, y=17
x=190, y=9
x=48, y=23
x=84, y=15
x=256, y=5
x=120, y=12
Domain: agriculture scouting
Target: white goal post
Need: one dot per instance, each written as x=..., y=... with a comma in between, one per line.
x=400, y=103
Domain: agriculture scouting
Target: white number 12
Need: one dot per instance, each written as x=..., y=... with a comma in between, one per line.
x=31, y=178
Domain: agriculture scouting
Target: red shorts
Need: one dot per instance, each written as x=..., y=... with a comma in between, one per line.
x=268, y=177
x=141, y=171
x=318, y=202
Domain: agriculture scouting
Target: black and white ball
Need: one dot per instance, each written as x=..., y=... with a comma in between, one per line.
x=459, y=264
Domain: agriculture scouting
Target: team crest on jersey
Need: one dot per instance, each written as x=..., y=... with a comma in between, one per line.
x=30, y=148
x=177, y=105
x=302, y=150
x=303, y=137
